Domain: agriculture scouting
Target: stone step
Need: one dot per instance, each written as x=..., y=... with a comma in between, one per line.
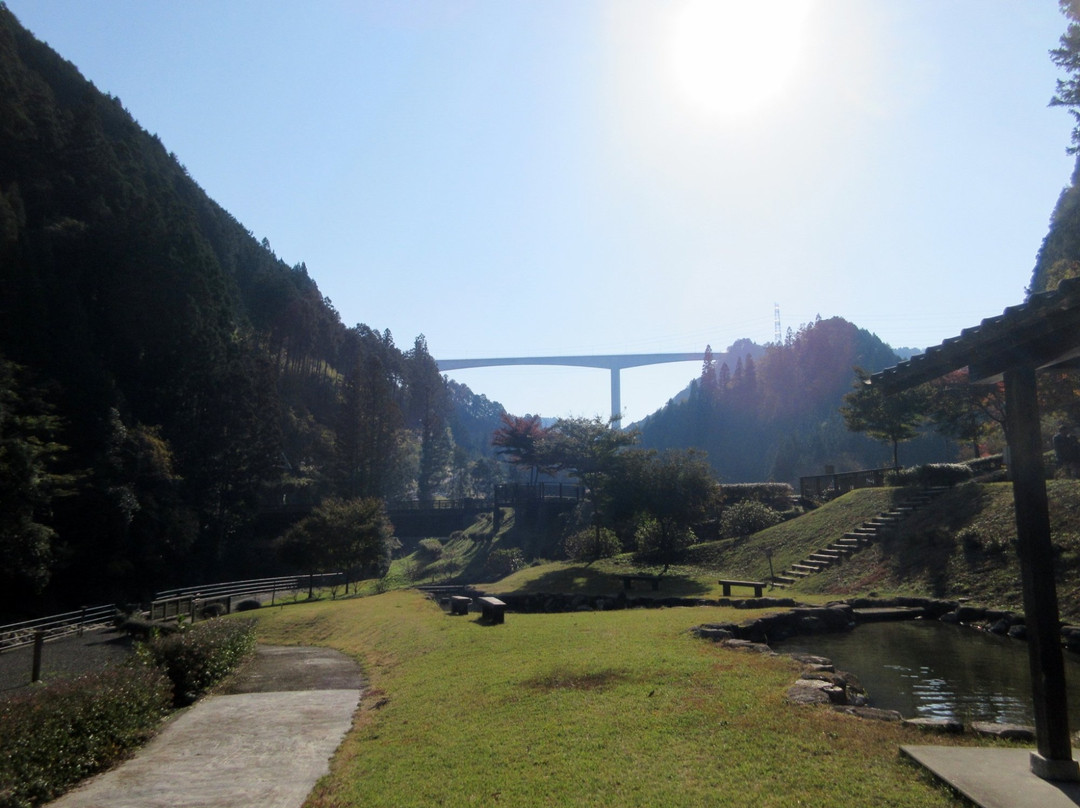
x=823, y=560
x=809, y=569
x=797, y=573
x=827, y=552
x=783, y=580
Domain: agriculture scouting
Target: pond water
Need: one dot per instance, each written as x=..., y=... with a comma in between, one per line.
x=928, y=669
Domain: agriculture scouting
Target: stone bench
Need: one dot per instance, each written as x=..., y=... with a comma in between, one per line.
x=492, y=609
x=654, y=580
x=459, y=604
x=758, y=587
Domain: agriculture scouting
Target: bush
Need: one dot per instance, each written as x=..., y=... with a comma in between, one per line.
x=55, y=736
x=248, y=605
x=747, y=517
x=775, y=495
x=658, y=543
x=212, y=610
x=429, y=550
x=931, y=474
x=584, y=546
x=201, y=655
x=503, y=562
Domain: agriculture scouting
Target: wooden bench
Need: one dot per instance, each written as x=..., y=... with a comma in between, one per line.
x=459, y=604
x=758, y=586
x=627, y=581
x=492, y=609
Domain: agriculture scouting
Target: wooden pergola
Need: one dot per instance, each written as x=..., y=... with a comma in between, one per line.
x=1043, y=333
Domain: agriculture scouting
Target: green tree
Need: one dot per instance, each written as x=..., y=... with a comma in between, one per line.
x=667, y=494
x=29, y=481
x=891, y=419
x=965, y=411
x=588, y=449
x=353, y=536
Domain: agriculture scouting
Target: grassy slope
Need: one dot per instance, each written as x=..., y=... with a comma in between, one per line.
x=964, y=546
x=602, y=709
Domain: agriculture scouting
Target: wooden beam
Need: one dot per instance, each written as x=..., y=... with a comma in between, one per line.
x=1054, y=759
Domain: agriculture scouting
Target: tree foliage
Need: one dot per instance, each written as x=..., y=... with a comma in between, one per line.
x=342, y=535
x=201, y=380
x=892, y=418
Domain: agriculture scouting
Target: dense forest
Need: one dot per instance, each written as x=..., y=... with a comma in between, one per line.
x=165, y=379
x=775, y=413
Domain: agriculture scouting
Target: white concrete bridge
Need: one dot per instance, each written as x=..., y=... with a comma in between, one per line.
x=612, y=362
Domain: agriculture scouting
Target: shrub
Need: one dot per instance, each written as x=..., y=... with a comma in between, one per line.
x=212, y=610
x=775, y=495
x=931, y=474
x=503, y=562
x=584, y=545
x=661, y=543
x=248, y=605
x=201, y=655
x=55, y=736
x=747, y=517
x=429, y=550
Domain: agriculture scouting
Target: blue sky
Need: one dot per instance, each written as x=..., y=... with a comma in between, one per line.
x=572, y=177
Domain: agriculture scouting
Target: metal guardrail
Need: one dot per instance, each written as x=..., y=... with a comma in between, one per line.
x=167, y=604
x=174, y=599
x=53, y=627
x=823, y=486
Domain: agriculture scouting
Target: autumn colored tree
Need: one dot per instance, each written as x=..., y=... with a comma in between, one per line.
x=518, y=442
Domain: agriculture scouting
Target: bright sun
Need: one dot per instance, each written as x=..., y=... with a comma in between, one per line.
x=733, y=57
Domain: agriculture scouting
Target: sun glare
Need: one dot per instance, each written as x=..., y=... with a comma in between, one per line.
x=730, y=58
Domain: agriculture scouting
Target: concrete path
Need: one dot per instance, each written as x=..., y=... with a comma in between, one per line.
x=994, y=777
x=262, y=742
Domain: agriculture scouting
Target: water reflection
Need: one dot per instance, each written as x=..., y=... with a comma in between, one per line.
x=934, y=670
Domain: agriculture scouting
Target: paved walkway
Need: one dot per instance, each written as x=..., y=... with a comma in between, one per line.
x=262, y=742
x=994, y=777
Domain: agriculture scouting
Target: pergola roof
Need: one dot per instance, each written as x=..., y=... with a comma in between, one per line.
x=1042, y=333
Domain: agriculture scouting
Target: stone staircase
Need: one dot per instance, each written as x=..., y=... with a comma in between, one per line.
x=854, y=541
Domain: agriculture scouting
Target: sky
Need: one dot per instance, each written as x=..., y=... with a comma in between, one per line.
x=565, y=177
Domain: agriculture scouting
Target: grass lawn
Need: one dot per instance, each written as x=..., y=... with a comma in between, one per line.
x=621, y=708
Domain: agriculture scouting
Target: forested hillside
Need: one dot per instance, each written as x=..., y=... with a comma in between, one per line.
x=778, y=416
x=164, y=377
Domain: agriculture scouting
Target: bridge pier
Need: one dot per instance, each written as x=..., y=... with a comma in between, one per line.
x=616, y=398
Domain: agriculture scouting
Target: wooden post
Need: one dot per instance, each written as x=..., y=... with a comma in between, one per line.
x=39, y=643
x=1054, y=757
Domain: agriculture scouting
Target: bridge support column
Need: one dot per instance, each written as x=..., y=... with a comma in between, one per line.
x=616, y=397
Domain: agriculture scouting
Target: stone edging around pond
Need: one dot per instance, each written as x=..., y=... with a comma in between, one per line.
x=820, y=682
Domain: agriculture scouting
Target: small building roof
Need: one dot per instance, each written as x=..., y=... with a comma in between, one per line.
x=1042, y=333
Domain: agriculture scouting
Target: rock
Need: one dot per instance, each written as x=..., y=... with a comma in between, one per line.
x=950, y=617
x=814, y=691
x=812, y=659
x=1000, y=627
x=747, y=645
x=874, y=713
x=711, y=633
x=936, y=725
x=1013, y=732
x=1018, y=632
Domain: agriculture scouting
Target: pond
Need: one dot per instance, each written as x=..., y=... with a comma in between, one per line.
x=927, y=669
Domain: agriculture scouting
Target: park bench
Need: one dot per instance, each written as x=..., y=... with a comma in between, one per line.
x=758, y=586
x=654, y=580
x=492, y=609
x=459, y=604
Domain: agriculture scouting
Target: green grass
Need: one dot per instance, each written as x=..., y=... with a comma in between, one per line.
x=618, y=708
x=963, y=546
